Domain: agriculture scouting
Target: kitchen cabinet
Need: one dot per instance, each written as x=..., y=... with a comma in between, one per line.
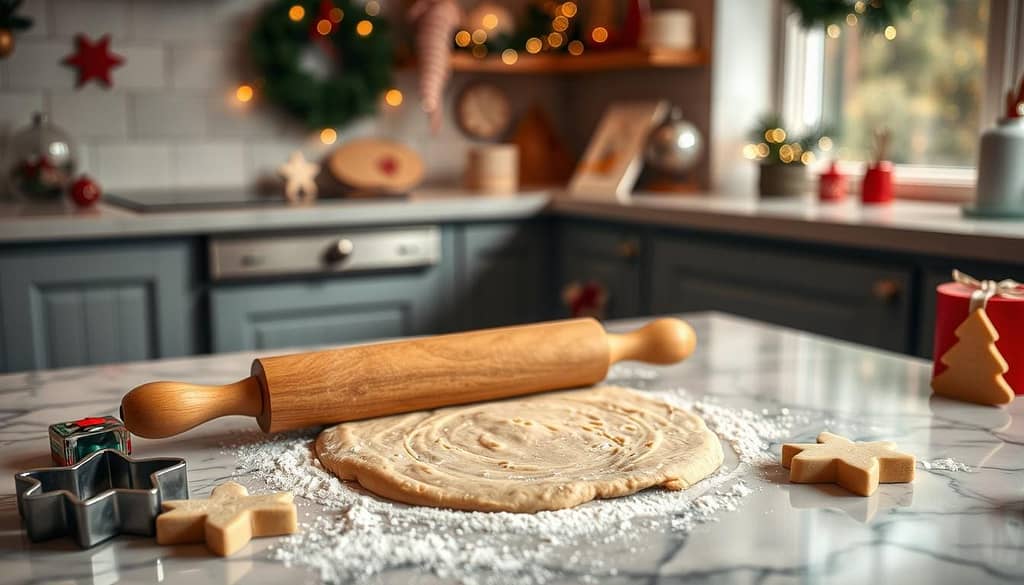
x=72, y=305
x=346, y=307
x=322, y=312
x=609, y=255
x=502, y=273
x=839, y=296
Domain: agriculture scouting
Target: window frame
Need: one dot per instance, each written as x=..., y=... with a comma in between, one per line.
x=1004, y=67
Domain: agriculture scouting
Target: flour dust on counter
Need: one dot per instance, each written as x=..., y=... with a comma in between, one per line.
x=348, y=534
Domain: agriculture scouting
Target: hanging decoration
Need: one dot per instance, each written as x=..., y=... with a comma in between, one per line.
x=353, y=40
x=435, y=21
x=873, y=16
x=93, y=60
x=9, y=23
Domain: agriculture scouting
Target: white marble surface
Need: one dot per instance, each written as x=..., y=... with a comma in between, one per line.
x=23, y=222
x=946, y=527
x=937, y=229
x=933, y=228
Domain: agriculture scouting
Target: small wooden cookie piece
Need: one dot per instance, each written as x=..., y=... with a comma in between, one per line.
x=228, y=520
x=858, y=467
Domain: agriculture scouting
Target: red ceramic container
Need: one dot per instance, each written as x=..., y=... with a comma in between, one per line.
x=877, y=187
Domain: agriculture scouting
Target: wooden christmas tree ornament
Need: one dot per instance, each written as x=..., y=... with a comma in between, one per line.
x=228, y=520
x=858, y=467
x=974, y=366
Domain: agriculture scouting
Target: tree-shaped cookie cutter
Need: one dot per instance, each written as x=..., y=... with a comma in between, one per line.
x=101, y=496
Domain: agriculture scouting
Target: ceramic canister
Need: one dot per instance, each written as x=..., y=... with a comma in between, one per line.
x=1001, y=170
x=669, y=28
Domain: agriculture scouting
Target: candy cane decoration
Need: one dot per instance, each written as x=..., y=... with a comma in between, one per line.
x=435, y=20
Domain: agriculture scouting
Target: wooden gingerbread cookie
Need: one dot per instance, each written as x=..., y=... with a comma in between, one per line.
x=858, y=467
x=227, y=520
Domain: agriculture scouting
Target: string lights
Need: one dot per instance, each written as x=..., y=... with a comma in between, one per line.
x=551, y=26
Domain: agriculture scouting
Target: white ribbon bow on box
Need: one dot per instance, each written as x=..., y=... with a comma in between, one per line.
x=986, y=289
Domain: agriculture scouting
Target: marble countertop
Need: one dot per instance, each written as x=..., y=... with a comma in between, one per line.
x=932, y=228
x=22, y=223
x=946, y=527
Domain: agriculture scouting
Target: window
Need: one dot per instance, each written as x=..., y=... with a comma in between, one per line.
x=935, y=79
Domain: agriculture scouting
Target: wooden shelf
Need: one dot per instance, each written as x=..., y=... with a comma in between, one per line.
x=587, y=62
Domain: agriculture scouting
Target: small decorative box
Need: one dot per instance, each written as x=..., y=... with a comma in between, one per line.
x=72, y=441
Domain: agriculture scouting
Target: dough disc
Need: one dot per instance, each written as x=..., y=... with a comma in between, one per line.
x=543, y=452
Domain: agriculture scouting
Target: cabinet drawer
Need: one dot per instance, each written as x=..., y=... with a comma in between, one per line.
x=324, y=252
x=847, y=299
x=610, y=256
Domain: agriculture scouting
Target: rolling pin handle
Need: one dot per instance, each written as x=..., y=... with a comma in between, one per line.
x=662, y=341
x=163, y=409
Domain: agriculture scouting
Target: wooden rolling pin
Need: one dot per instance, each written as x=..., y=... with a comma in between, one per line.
x=337, y=385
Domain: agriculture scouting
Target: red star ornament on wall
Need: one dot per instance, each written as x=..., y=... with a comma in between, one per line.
x=93, y=60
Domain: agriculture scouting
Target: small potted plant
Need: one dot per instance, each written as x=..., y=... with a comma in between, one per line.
x=784, y=157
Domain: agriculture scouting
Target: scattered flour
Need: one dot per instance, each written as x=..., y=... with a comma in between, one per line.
x=352, y=534
x=945, y=464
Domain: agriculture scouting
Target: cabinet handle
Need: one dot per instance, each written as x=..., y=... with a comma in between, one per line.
x=340, y=250
x=886, y=290
x=628, y=249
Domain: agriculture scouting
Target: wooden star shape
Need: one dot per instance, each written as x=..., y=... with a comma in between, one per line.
x=858, y=467
x=299, y=178
x=93, y=60
x=226, y=521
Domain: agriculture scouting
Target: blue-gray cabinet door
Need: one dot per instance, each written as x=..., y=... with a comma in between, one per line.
x=72, y=305
x=502, y=274
x=610, y=256
x=848, y=299
x=331, y=311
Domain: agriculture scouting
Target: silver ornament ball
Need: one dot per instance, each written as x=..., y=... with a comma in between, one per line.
x=674, y=146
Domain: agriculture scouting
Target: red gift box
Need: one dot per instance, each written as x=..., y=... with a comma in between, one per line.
x=1006, y=315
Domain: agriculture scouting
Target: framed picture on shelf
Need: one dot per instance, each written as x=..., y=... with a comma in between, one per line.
x=614, y=157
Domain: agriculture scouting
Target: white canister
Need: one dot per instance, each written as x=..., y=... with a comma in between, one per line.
x=493, y=168
x=670, y=28
x=1000, y=190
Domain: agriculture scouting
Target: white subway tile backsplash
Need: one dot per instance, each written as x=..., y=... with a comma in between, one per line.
x=91, y=113
x=226, y=118
x=39, y=12
x=179, y=20
x=16, y=110
x=167, y=115
x=143, y=67
x=209, y=164
x=37, y=64
x=266, y=157
x=200, y=67
x=94, y=18
x=132, y=166
x=170, y=119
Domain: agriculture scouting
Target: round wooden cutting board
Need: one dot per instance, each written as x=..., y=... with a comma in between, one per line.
x=374, y=166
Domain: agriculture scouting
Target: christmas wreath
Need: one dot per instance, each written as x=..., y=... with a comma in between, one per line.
x=874, y=14
x=356, y=45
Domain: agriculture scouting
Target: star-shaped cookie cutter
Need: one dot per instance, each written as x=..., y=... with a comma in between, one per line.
x=101, y=496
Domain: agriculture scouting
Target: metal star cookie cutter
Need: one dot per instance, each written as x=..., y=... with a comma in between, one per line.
x=101, y=496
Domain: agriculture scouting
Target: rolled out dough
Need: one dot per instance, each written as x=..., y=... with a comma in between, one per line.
x=544, y=452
